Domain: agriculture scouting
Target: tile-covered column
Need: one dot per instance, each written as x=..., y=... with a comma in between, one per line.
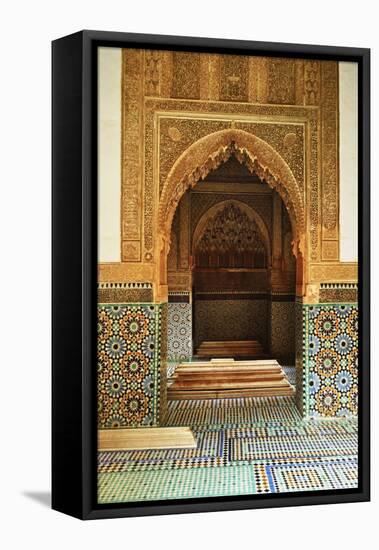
x=329, y=360
x=179, y=327
x=299, y=358
x=131, y=364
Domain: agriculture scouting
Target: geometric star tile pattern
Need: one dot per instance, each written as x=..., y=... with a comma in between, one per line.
x=128, y=364
x=331, y=360
x=179, y=331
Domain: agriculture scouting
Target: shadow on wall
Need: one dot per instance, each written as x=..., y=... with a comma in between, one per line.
x=41, y=497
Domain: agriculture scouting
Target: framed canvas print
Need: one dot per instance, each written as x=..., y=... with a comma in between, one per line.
x=210, y=274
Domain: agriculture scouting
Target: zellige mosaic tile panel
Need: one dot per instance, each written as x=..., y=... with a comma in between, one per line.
x=331, y=359
x=179, y=332
x=128, y=364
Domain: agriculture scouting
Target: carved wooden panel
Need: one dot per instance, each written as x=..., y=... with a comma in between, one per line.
x=116, y=293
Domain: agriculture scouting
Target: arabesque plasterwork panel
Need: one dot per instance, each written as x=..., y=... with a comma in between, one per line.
x=125, y=272
x=131, y=151
x=259, y=156
x=333, y=272
x=176, y=134
x=169, y=133
x=329, y=129
x=172, y=99
x=287, y=139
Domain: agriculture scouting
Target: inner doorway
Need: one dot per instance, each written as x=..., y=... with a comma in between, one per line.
x=231, y=271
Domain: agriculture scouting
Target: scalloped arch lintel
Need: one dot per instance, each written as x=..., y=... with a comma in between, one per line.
x=209, y=152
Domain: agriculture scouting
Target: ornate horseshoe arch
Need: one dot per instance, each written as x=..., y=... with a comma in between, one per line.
x=207, y=154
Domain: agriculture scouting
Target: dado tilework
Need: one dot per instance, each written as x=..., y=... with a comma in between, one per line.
x=299, y=359
x=331, y=360
x=179, y=332
x=129, y=365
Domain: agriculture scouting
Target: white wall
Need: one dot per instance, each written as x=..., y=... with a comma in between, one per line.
x=348, y=89
x=109, y=144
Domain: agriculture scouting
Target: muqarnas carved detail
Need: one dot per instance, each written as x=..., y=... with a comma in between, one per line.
x=152, y=72
x=231, y=239
x=202, y=202
x=312, y=82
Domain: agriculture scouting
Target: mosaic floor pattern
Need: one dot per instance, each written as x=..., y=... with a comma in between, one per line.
x=245, y=446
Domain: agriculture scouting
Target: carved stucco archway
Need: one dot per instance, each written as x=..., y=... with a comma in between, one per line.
x=248, y=210
x=207, y=154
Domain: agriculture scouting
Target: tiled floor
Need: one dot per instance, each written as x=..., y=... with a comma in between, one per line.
x=245, y=446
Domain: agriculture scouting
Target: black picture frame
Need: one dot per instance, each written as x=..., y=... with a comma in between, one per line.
x=74, y=272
